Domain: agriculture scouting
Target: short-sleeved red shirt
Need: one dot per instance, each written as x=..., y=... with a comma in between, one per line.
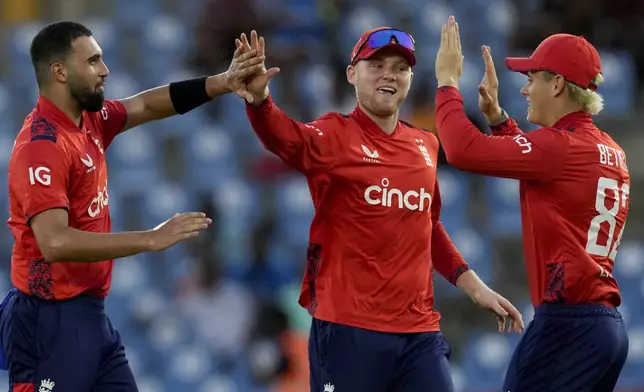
x=57, y=164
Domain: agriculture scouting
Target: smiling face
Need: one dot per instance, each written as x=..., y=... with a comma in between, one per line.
x=541, y=92
x=382, y=82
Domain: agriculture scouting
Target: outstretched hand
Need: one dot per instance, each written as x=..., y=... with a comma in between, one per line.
x=502, y=308
x=243, y=65
x=489, y=89
x=256, y=84
x=449, y=60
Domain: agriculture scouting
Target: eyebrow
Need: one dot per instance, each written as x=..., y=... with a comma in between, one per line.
x=94, y=57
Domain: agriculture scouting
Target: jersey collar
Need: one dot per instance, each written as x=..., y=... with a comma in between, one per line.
x=47, y=108
x=370, y=126
x=572, y=120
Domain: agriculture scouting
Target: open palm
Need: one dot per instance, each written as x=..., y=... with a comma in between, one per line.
x=489, y=88
x=256, y=90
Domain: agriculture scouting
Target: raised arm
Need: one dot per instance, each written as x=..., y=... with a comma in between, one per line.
x=536, y=156
x=307, y=147
x=184, y=96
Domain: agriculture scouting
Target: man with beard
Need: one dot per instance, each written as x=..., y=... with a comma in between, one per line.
x=53, y=328
x=376, y=236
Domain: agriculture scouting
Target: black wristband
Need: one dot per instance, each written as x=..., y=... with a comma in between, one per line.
x=188, y=94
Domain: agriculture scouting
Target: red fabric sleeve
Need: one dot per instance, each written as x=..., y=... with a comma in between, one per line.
x=40, y=175
x=536, y=156
x=445, y=257
x=307, y=147
x=112, y=119
x=506, y=128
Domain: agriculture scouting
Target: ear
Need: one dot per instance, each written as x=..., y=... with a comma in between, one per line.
x=352, y=75
x=59, y=72
x=558, y=85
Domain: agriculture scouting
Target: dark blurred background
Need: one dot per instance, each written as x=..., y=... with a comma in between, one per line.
x=220, y=314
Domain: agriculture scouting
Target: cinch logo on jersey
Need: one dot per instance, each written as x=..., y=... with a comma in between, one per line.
x=98, y=203
x=393, y=197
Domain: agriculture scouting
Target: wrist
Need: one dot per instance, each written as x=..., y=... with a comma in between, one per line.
x=471, y=284
x=448, y=82
x=216, y=85
x=497, y=116
x=146, y=240
x=260, y=99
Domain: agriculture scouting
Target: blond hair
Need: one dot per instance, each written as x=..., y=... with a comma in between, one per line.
x=590, y=101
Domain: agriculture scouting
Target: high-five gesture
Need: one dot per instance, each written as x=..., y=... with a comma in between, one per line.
x=244, y=64
x=489, y=89
x=257, y=83
x=449, y=60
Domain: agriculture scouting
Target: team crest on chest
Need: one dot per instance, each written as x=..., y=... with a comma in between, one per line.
x=423, y=150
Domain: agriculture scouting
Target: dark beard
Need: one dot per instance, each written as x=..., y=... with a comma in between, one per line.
x=88, y=99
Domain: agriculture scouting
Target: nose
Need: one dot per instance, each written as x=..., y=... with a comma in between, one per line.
x=524, y=89
x=105, y=72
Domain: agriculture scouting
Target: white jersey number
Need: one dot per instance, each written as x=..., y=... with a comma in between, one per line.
x=607, y=215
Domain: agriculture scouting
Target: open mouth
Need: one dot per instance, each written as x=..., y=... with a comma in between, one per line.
x=387, y=90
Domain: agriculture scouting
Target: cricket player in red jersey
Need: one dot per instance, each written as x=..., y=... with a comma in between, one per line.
x=376, y=237
x=574, y=187
x=53, y=329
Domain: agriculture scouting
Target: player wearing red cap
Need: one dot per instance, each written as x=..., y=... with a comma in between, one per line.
x=574, y=187
x=376, y=236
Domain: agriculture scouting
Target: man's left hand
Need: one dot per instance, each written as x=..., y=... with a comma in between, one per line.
x=449, y=60
x=243, y=66
x=501, y=307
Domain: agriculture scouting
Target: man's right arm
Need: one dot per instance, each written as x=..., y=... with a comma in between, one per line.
x=303, y=146
x=40, y=179
x=59, y=242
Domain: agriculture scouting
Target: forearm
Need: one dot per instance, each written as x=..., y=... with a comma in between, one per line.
x=175, y=98
x=275, y=129
x=446, y=259
x=72, y=245
x=470, y=283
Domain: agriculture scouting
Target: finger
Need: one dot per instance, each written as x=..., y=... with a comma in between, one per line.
x=272, y=72
x=452, y=33
x=254, y=42
x=246, y=56
x=249, y=97
x=490, y=70
x=244, y=41
x=513, y=312
x=261, y=49
x=487, y=98
x=185, y=217
x=248, y=71
x=458, y=38
x=238, y=43
x=238, y=51
x=193, y=228
x=248, y=63
x=501, y=323
x=197, y=221
x=444, y=37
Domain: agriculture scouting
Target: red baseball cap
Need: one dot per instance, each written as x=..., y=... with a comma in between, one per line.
x=567, y=55
x=371, y=42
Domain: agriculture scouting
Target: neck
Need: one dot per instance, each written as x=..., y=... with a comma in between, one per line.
x=65, y=103
x=387, y=124
x=562, y=112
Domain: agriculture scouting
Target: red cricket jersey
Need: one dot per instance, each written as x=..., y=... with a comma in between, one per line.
x=574, y=188
x=57, y=164
x=376, y=235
